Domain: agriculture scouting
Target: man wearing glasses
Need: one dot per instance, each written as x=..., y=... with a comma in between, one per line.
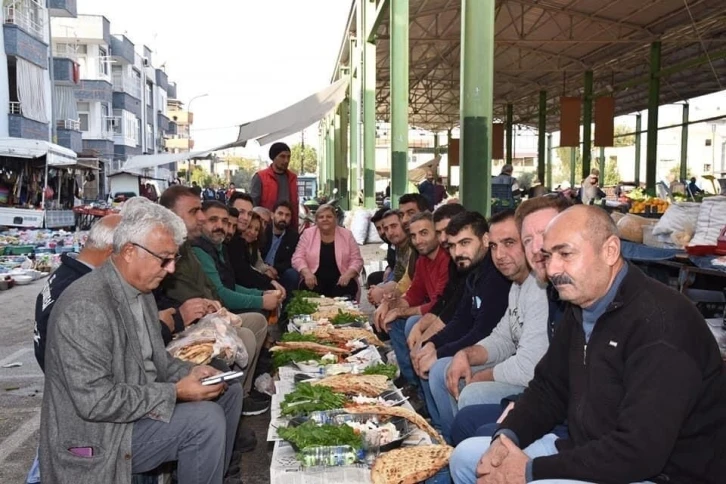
x=115, y=402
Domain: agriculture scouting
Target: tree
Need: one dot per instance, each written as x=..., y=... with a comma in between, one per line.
x=612, y=175
x=307, y=158
x=564, y=155
x=620, y=140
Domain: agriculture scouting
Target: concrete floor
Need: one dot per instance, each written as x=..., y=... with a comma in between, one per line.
x=21, y=390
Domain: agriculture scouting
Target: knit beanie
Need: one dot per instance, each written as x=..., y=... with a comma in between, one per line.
x=278, y=148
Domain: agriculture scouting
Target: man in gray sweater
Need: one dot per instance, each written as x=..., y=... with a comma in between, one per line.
x=502, y=364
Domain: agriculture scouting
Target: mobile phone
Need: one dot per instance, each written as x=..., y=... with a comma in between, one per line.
x=81, y=451
x=230, y=375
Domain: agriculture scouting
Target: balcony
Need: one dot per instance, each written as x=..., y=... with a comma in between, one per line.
x=162, y=80
x=181, y=118
x=162, y=122
x=29, y=15
x=124, y=101
x=21, y=127
x=103, y=147
x=65, y=71
x=183, y=144
x=128, y=85
x=62, y=8
x=20, y=43
x=124, y=152
x=101, y=91
x=172, y=129
x=123, y=48
x=69, y=134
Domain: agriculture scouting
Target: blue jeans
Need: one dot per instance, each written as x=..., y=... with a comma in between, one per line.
x=290, y=280
x=467, y=455
x=34, y=473
x=486, y=392
x=397, y=332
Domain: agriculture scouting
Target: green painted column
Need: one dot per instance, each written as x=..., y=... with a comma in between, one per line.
x=343, y=162
x=354, y=135
x=331, y=157
x=638, y=128
x=369, y=107
x=548, y=182
x=651, y=154
x=542, y=136
x=509, y=128
x=601, y=163
x=684, y=143
x=573, y=154
x=477, y=92
x=436, y=143
x=338, y=150
x=321, y=156
x=448, y=157
x=399, y=23
x=587, y=126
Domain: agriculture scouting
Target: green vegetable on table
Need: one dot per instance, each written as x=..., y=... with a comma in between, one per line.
x=382, y=369
x=310, y=434
x=304, y=293
x=307, y=398
x=298, y=337
x=286, y=357
x=299, y=305
x=344, y=318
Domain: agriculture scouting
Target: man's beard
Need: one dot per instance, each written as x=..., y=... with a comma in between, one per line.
x=281, y=225
x=478, y=258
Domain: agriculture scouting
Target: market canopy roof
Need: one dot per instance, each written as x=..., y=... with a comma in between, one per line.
x=56, y=155
x=548, y=45
x=265, y=130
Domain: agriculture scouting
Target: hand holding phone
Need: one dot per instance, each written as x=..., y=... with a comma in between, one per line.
x=221, y=377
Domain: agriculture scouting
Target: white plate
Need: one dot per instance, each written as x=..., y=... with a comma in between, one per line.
x=22, y=280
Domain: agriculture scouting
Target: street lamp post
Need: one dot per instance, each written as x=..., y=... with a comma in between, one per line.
x=189, y=112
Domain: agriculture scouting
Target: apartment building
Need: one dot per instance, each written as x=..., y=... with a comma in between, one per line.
x=179, y=139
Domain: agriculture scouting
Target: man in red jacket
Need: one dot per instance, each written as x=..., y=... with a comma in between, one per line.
x=276, y=183
x=633, y=368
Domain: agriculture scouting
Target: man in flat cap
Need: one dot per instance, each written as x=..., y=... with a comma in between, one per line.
x=276, y=183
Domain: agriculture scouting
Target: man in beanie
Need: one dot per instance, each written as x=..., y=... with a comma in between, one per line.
x=276, y=183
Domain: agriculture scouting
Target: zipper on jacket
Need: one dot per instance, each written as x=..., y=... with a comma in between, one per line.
x=584, y=354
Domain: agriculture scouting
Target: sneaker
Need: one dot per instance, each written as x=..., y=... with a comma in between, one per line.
x=251, y=406
x=258, y=395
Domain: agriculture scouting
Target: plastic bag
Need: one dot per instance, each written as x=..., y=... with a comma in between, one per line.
x=630, y=227
x=212, y=337
x=373, y=237
x=359, y=227
x=265, y=384
x=711, y=221
x=679, y=217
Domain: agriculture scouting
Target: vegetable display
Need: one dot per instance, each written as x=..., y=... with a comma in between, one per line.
x=307, y=398
x=298, y=305
x=310, y=434
x=282, y=358
x=389, y=371
x=304, y=293
x=297, y=337
x=344, y=318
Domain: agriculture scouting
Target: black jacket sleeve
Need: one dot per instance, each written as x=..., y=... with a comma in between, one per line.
x=245, y=275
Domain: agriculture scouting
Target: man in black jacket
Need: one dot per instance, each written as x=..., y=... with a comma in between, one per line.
x=280, y=243
x=633, y=368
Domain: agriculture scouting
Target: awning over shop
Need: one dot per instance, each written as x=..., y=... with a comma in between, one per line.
x=56, y=155
x=265, y=130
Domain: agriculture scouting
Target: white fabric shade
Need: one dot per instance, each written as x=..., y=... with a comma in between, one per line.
x=29, y=148
x=30, y=81
x=271, y=128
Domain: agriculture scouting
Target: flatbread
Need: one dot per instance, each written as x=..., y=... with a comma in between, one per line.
x=329, y=312
x=198, y=353
x=306, y=345
x=321, y=301
x=343, y=335
x=406, y=413
x=367, y=385
x=410, y=465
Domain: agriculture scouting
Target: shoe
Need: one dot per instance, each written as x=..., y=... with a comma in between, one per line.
x=258, y=395
x=250, y=406
x=246, y=440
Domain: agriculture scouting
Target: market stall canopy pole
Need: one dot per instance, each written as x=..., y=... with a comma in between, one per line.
x=265, y=130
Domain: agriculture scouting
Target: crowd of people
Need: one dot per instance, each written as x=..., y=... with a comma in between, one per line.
x=527, y=340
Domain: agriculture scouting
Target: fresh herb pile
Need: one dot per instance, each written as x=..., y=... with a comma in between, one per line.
x=298, y=337
x=307, y=398
x=298, y=305
x=344, y=318
x=304, y=293
x=382, y=369
x=286, y=357
x=310, y=434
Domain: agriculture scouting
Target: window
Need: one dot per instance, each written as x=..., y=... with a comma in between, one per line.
x=149, y=93
x=118, y=125
x=708, y=142
x=83, y=116
x=103, y=61
x=149, y=137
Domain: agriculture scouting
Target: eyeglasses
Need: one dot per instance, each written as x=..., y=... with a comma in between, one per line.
x=165, y=261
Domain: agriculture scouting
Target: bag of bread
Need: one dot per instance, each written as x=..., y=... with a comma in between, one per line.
x=616, y=216
x=630, y=227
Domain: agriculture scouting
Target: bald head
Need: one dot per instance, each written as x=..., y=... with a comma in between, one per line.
x=582, y=253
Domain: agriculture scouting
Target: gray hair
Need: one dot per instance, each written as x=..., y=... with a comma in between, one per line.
x=141, y=217
x=263, y=211
x=324, y=208
x=100, y=237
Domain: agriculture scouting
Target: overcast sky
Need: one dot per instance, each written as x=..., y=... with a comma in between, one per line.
x=253, y=57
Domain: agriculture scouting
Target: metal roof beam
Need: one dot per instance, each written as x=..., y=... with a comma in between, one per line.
x=568, y=11
x=381, y=11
